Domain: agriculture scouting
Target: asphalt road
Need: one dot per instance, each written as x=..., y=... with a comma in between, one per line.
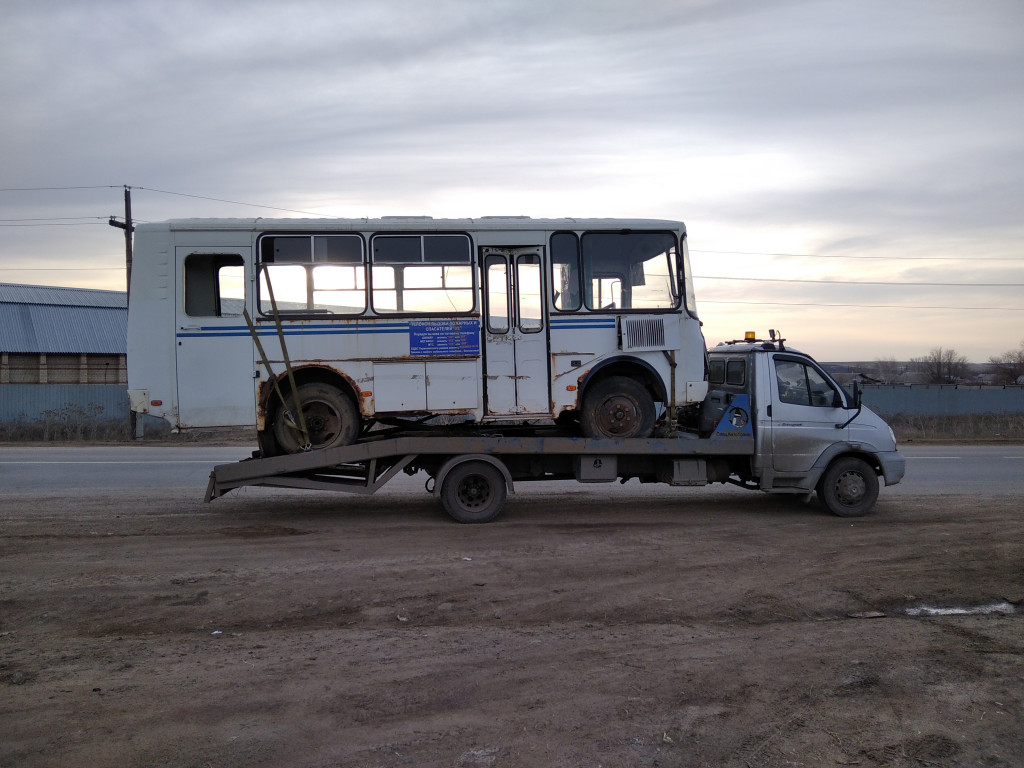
x=931, y=470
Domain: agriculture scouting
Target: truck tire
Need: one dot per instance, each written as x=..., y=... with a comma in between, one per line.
x=473, y=492
x=617, y=408
x=849, y=487
x=331, y=419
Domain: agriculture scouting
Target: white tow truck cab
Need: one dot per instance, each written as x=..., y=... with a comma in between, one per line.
x=809, y=433
x=773, y=420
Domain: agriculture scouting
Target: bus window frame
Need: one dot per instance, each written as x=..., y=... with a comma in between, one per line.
x=309, y=266
x=471, y=264
x=621, y=278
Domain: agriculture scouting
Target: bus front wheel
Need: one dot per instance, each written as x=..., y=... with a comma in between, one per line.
x=617, y=408
x=330, y=416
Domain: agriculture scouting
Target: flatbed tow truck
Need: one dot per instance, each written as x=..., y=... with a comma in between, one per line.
x=773, y=421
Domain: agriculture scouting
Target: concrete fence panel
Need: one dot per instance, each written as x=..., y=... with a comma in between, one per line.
x=56, y=402
x=943, y=399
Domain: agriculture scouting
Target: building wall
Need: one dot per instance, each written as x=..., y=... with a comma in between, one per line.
x=63, y=369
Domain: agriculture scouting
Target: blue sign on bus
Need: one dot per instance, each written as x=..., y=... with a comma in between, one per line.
x=444, y=337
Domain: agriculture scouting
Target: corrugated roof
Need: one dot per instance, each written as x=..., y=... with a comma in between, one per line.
x=13, y=293
x=55, y=321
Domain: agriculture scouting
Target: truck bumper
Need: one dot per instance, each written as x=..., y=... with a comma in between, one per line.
x=894, y=465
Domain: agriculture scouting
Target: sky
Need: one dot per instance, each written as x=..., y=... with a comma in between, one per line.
x=850, y=172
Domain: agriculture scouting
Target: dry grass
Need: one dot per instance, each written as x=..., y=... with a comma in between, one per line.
x=986, y=427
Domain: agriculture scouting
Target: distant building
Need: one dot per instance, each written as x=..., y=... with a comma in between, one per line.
x=62, y=347
x=62, y=335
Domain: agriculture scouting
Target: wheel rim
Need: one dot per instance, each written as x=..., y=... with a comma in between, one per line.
x=322, y=422
x=474, y=492
x=618, y=416
x=850, y=488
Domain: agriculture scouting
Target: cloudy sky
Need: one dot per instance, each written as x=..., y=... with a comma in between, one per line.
x=850, y=172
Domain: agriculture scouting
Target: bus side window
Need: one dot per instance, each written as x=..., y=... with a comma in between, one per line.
x=318, y=274
x=426, y=274
x=214, y=285
x=565, y=272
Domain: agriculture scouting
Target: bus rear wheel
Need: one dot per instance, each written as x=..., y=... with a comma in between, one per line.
x=617, y=408
x=331, y=419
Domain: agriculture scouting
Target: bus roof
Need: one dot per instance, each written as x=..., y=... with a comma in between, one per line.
x=418, y=223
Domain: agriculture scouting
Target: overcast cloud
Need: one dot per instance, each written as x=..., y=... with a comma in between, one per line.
x=852, y=136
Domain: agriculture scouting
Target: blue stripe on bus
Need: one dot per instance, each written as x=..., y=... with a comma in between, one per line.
x=323, y=330
x=337, y=329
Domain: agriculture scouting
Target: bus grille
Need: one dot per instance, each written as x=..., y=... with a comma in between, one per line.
x=639, y=332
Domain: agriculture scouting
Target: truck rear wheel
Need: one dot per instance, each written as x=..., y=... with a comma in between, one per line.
x=849, y=487
x=617, y=408
x=331, y=419
x=473, y=492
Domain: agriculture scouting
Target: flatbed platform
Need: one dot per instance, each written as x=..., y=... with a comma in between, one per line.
x=473, y=474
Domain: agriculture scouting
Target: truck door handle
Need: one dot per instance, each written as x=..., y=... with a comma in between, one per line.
x=768, y=410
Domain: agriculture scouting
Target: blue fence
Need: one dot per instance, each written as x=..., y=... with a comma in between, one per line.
x=59, y=402
x=109, y=402
x=942, y=399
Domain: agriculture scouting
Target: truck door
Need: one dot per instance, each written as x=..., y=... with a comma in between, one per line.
x=516, y=375
x=215, y=353
x=805, y=408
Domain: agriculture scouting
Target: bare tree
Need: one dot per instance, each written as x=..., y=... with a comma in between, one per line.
x=889, y=370
x=1009, y=365
x=941, y=366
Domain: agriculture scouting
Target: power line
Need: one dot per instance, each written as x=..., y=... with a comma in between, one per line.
x=232, y=202
x=60, y=269
x=856, y=282
x=56, y=218
x=59, y=189
x=860, y=306
x=841, y=256
x=100, y=219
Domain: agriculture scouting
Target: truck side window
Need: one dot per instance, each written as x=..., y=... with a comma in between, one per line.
x=716, y=372
x=736, y=372
x=801, y=384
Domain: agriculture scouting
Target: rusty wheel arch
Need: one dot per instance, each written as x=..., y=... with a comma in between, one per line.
x=268, y=403
x=630, y=367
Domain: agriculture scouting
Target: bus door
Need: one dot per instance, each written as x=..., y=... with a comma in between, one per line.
x=516, y=375
x=215, y=353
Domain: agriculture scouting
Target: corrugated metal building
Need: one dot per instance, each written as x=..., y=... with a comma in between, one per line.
x=62, y=347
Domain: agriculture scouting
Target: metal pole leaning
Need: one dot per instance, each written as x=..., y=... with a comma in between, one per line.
x=307, y=443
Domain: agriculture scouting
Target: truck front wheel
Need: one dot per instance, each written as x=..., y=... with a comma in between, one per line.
x=617, y=408
x=849, y=487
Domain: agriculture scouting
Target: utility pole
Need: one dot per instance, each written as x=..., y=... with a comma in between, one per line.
x=135, y=423
x=128, y=229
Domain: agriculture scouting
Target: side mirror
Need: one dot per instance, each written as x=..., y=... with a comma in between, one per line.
x=855, y=406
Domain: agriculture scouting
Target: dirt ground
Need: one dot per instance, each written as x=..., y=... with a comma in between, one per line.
x=588, y=626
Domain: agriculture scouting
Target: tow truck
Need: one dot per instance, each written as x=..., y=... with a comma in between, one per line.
x=773, y=420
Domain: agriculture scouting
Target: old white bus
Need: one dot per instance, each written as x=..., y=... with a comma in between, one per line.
x=316, y=330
